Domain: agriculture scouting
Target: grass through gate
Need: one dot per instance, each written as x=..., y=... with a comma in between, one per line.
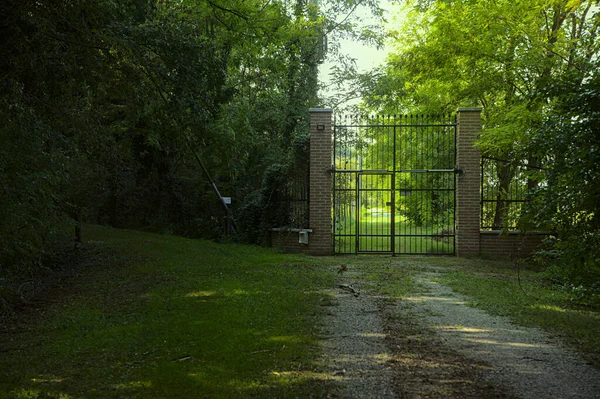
x=161, y=316
x=375, y=236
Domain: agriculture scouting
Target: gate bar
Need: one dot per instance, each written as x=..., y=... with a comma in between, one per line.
x=357, y=216
x=393, y=211
x=382, y=172
x=408, y=125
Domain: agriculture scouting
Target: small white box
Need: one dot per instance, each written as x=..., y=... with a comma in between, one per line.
x=303, y=237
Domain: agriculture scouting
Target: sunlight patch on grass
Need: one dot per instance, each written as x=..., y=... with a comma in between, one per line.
x=198, y=375
x=463, y=329
x=372, y=335
x=38, y=394
x=241, y=385
x=199, y=294
x=427, y=298
x=238, y=292
x=290, y=377
x=133, y=385
x=47, y=380
x=381, y=357
x=548, y=307
x=289, y=339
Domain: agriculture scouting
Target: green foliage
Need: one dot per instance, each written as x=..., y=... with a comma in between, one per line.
x=95, y=99
x=268, y=207
x=495, y=54
x=423, y=146
x=530, y=66
x=569, y=145
x=105, y=105
x=29, y=176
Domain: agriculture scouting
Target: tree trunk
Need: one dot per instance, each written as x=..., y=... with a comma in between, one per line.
x=505, y=173
x=78, y=226
x=531, y=184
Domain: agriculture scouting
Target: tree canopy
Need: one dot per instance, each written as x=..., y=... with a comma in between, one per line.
x=107, y=105
x=532, y=66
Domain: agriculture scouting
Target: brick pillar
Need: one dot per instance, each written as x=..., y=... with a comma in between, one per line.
x=320, y=240
x=468, y=195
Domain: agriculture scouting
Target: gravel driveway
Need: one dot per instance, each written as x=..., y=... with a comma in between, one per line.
x=432, y=345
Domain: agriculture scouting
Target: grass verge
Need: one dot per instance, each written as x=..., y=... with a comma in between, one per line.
x=157, y=316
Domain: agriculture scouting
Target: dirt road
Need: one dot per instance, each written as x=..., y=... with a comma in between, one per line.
x=432, y=345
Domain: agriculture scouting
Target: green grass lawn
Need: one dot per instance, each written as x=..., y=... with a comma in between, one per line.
x=375, y=232
x=157, y=316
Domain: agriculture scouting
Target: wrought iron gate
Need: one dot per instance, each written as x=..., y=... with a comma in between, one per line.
x=375, y=194
x=394, y=184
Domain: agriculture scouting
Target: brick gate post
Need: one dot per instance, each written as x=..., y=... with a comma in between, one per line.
x=320, y=239
x=468, y=195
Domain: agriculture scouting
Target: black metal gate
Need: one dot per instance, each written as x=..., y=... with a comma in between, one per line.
x=374, y=193
x=394, y=180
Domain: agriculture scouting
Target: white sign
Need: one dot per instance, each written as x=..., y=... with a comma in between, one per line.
x=227, y=200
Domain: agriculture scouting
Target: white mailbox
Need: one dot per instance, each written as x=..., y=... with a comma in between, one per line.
x=303, y=236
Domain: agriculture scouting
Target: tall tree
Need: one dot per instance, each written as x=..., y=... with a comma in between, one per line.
x=105, y=105
x=96, y=98
x=568, y=144
x=499, y=55
x=496, y=54
x=532, y=66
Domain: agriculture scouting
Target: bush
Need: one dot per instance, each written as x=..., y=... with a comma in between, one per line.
x=569, y=146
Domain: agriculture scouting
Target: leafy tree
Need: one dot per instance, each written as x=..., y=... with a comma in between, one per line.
x=106, y=104
x=568, y=143
x=532, y=66
x=274, y=75
x=498, y=55
x=99, y=100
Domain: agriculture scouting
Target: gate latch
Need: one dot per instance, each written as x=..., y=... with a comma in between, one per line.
x=459, y=170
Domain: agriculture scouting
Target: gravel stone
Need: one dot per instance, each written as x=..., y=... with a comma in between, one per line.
x=526, y=363
x=355, y=349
